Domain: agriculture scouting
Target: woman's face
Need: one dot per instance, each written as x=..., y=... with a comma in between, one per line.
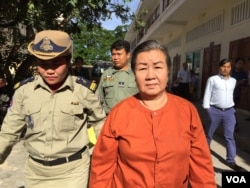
x=53, y=71
x=151, y=73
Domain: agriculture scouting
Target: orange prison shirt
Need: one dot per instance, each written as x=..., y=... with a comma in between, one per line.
x=164, y=148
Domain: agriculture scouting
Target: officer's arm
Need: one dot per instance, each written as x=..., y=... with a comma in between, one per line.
x=12, y=127
x=96, y=114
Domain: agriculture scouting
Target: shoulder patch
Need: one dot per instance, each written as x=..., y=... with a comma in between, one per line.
x=25, y=81
x=91, y=85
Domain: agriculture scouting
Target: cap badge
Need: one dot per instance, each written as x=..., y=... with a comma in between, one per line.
x=46, y=45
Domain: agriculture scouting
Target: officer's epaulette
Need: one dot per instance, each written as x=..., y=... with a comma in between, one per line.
x=19, y=84
x=91, y=85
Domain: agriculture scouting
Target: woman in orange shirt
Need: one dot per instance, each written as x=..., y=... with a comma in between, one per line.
x=154, y=138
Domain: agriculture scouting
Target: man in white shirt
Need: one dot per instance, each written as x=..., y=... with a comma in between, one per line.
x=183, y=78
x=219, y=103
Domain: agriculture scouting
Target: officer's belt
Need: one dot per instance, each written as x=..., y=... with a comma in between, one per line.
x=75, y=156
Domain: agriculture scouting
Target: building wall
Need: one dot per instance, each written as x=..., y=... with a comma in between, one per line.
x=176, y=40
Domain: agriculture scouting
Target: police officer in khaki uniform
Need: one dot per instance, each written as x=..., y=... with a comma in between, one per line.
x=118, y=82
x=55, y=108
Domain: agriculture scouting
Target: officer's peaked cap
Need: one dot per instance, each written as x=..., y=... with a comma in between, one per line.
x=49, y=44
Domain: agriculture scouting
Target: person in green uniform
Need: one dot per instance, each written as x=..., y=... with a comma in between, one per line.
x=54, y=108
x=117, y=82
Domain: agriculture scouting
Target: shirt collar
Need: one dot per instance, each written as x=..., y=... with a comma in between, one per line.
x=222, y=77
x=129, y=70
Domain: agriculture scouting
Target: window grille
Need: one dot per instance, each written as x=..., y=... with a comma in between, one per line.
x=174, y=43
x=211, y=26
x=240, y=12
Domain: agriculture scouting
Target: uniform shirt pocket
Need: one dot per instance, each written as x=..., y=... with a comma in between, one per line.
x=108, y=89
x=72, y=117
x=33, y=117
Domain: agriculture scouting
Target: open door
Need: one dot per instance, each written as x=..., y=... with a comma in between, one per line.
x=211, y=58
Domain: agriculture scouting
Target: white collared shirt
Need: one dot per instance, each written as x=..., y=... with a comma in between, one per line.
x=219, y=92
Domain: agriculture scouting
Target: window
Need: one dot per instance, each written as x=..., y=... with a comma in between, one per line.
x=193, y=60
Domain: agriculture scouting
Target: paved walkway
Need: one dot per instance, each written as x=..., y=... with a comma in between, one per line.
x=218, y=152
x=242, y=137
x=12, y=170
